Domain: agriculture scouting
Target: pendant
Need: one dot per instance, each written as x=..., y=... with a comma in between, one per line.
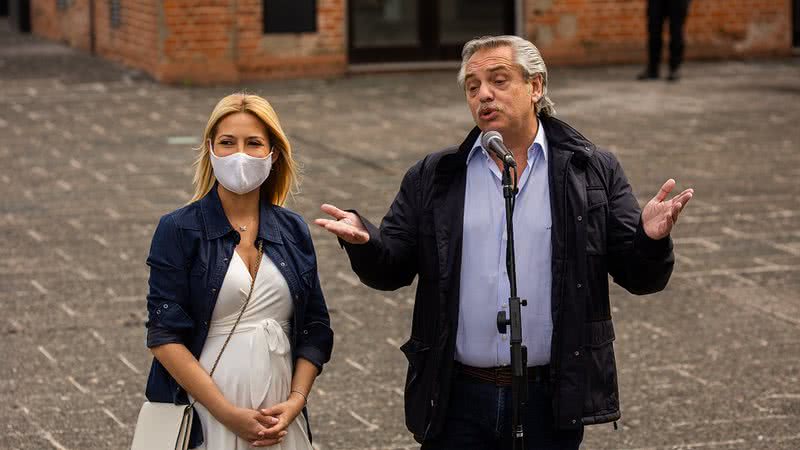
x=242, y=227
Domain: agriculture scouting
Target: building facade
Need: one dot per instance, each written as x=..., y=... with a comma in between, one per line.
x=223, y=41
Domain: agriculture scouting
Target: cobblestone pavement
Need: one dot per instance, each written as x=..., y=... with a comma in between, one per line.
x=92, y=154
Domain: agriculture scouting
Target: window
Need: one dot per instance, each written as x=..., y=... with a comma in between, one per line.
x=290, y=16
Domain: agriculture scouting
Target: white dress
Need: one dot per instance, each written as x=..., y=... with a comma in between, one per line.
x=255, y=370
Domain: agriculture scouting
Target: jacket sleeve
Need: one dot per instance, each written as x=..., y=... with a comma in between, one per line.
x=167, y=300
x=388, y=260
x=638, y=263
x=315, y=341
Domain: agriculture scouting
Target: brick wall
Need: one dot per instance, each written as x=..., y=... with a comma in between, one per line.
x=608, y=31
x=68, y=24
x=218, y=41
x=133, y=41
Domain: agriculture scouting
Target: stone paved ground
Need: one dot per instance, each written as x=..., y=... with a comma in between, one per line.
x=92, y=154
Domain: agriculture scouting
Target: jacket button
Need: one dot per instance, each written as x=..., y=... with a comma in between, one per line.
x=205, y=323
x=213, y=290
x=579, y=285
x=577, y=353
x=574, y=421
x=305, y=331
x=283, y=264
x=225, y=259
x=158, y=312
x=166, y=306
x=580, y=218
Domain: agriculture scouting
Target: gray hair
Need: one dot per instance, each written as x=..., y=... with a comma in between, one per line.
x=526, y=55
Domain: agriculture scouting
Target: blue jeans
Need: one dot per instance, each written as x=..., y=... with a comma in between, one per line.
x=479, y=417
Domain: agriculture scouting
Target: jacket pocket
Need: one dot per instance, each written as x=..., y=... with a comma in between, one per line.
x=596, y=212
x=417, y=392
x=601, y=402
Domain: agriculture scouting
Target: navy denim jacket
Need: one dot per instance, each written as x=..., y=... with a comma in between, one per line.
x=188, y=259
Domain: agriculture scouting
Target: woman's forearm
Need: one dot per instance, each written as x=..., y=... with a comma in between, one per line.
x=303, y=378
x=188, y=372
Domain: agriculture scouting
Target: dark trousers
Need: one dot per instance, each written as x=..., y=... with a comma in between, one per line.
x=657, y=12
x=479, y=418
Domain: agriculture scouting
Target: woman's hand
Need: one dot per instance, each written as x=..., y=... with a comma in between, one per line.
x=250, y=425
x=285, y=414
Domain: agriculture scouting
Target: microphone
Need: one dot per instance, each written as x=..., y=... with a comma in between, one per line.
x=493, y=142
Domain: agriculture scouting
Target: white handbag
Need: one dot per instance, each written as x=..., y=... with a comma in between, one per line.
x=163, y=426
x=166, y=426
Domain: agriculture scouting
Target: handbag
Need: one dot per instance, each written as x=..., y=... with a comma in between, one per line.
x=167, y=426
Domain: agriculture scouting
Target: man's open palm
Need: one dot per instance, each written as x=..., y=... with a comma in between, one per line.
x=660, y=215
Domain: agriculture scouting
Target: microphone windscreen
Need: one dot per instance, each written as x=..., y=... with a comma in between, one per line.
x=488, y=136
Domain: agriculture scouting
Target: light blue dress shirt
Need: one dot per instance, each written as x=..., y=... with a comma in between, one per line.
x=484, y=279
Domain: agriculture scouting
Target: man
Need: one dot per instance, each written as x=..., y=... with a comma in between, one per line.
x=576, y=220
x=657, y=11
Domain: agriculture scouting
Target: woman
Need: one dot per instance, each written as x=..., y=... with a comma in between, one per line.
x=206, y=258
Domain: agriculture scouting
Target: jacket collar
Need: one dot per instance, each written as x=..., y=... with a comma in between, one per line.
x=560, y=137
x=216, y=224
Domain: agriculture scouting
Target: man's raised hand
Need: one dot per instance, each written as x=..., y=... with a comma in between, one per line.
x=345, y=225
x=660, y=215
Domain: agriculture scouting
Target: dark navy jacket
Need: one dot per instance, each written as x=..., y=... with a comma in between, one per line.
x=188, y=259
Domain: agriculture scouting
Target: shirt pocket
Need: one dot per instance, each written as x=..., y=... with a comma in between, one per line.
x=596, y=214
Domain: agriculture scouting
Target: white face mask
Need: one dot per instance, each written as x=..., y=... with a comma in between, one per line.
x=240, y=173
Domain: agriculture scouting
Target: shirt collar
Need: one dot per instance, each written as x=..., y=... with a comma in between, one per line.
x=540, y=139
x=216, y=223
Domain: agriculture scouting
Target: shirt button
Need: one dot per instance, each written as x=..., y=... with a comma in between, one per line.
x=504, y=337
x=580, y=218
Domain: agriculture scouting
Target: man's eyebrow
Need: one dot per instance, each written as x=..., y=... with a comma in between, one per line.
x=494, y=68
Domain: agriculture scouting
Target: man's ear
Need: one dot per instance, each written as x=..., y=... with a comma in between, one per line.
x=536, y=87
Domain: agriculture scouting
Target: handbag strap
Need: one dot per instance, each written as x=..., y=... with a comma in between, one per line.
x=241, y=312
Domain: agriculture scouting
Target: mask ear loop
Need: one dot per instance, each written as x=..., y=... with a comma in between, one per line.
x=211, y=148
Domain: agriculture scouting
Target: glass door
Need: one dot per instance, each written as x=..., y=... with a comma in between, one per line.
x=422, y=30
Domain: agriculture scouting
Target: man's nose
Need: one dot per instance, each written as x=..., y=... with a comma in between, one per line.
x=485, y=94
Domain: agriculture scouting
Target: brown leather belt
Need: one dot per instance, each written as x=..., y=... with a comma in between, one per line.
x=501, y=376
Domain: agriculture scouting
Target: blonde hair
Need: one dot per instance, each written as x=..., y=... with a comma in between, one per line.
x=526, y=55
x=283, y=175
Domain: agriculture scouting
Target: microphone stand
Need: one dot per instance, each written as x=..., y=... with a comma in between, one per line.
x=519, y=353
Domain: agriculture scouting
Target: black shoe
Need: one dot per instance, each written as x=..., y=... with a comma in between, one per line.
x=674, y=75
x=647, y=75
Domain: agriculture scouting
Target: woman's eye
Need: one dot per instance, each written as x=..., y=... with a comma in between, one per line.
x=255, y=143
x=226, y=142
x=500, y=80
